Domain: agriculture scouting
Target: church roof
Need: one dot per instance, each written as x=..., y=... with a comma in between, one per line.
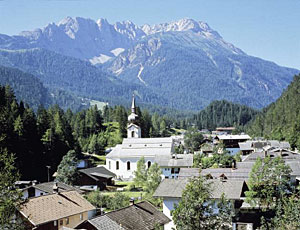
x=138, y=147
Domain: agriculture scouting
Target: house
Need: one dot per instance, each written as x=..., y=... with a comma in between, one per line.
x=36, y=190
x=96, y=177
x=207, y=149
x=241, y=170
x=170, y=190
x=171, y=165
x=227, y=130
x=232, y=141
x=122, y=160
x=138, y=216
x=260, y=145
x=53, y=211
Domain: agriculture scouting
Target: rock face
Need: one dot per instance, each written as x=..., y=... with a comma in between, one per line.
x=186, y=63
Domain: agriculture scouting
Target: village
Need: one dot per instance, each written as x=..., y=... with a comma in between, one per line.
x=149, y=177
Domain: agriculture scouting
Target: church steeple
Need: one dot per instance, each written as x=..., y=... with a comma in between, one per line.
x=133, y=130
x=133, y=104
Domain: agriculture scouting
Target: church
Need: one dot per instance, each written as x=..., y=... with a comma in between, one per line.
x=122, y=160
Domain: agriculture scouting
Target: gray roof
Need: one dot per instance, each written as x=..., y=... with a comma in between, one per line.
x=140, y=216
x=286, y=155
x=97, y=172
x=173, y=188
x=245, y=145
x=138, y=147
x=48, y=187
x=179, y=160
x=104, y=222
x=234, y=137
x=189, y=172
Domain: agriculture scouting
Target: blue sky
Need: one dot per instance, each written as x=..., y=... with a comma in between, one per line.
x=269, y=29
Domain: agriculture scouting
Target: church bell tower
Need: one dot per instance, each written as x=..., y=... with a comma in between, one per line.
x=133, y=129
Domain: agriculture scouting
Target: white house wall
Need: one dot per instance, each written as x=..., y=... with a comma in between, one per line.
x=168, y=207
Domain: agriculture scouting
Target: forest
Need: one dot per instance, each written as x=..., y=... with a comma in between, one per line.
x=281, y=119
x=224, y=114
x=42, y=138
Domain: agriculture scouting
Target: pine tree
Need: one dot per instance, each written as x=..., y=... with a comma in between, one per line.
x=67, y=170
x=10, y=197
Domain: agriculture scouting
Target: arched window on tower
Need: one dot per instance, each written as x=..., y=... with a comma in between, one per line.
x=117, y=165
x=132, y=133
x=128, y=165
x=148, y=164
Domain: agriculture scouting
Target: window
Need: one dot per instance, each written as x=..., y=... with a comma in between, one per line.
x=117, y=165
x=149, y=164
x=55, y=223
x=81, y=217
x=109, y=165
x=132, y=133
x=67, y=221
x=61, y=222
x=128, y=165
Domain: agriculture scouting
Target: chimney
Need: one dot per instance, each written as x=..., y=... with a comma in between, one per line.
x=131, y=201
x=265, y=153
x=55, y=187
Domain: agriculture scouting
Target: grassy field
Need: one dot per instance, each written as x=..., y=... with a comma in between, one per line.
x=99, y=104
x=127, y=193
x=124, y=184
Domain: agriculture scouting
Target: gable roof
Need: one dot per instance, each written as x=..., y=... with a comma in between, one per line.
x=173, y=188
x=62, y=187
x=180, y=160
x=234, y=137
x=138, y=147
x=43, y=209
x=97, y=172
x=139, y=216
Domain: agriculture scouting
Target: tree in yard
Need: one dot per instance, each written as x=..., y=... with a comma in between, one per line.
x=196, y=209
x=97, y=199
x=287, y=215
x=10, y=197
x=119, y=200
x=153, y=178
x=192, y=140
x=140, y=174
x=67, y=170
x=269, y=181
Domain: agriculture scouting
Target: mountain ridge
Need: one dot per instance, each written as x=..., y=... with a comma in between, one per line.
x=183, y=64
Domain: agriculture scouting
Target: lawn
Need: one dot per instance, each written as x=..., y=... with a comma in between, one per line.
x=127, y=193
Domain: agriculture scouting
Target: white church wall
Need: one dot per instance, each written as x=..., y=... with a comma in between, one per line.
x=123, y=172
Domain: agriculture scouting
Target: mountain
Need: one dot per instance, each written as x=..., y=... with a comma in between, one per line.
x=31, y=90
x=74, y=76
x=183, y=64
x=26, y=86
x=281, y=119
